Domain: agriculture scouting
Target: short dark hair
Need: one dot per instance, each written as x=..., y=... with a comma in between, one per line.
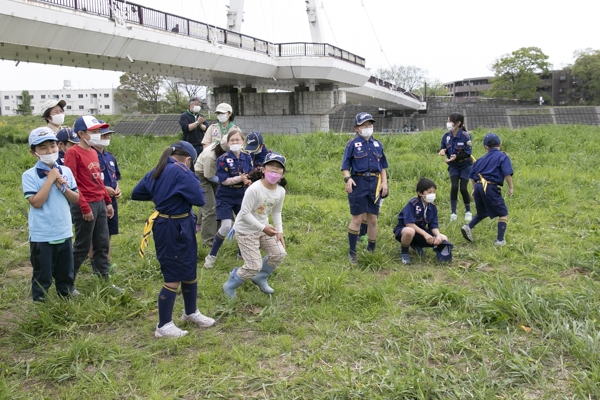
x=194, y=99
x=425, y=184
x=46, y=114
x=458, y=117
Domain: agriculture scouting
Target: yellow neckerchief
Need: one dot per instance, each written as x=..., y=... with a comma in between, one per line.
x=146, y=232
x=378, y=189
x=484, y=183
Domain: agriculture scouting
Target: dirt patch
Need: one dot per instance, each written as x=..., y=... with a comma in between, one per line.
x=20, y=272
x=574, y=271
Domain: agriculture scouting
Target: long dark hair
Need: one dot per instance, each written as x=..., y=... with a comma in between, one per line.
x=162, y=162
x=458, y=117
x=257, y=175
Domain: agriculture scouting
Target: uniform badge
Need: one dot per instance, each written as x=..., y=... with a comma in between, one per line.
x=216, y=132
x=375, y=144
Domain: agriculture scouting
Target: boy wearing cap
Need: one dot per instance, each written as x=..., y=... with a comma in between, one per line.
x=364, y=168
x=418, y=223
x=193, y=125
x=49, y=189
x=67, y=138
x=215, y=132
x=111, y=177
x=94, y=206
x=53, y=112
x=256, y=149
x=487, y=177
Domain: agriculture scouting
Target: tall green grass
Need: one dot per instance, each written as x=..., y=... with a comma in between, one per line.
x=519, y=322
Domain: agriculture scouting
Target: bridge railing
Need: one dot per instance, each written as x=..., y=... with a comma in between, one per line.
x=391, y=86
x=121, y=12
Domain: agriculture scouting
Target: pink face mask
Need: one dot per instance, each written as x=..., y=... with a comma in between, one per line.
x=272, y=177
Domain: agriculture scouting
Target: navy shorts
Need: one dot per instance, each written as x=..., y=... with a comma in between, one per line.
x=113, y=223
x=418, y=240
x=176, y=247
x=490, y=204
x=228, y=201
x=362, y=198
x=462, y=170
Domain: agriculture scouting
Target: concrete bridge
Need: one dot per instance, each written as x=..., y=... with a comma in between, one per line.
x=312, y=79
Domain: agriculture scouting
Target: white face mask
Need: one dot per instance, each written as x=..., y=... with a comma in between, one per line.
x=48, y=159
x=222, y=117
x=449, y=126
x=235, y=147
x=366, y=132
x=58, y=119
x=196, y=109
x=430, y=198
x=103, y=143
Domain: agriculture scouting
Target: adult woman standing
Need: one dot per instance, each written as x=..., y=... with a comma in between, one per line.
x=215, y=132
x=53, y=112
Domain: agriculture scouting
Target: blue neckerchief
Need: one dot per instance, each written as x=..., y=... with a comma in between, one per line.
x=42, y=168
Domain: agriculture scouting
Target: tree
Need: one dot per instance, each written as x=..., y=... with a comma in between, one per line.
x=434, y=88
x=25, y=107
x=409, y=77
x=147, y=89
x=127, y=100
x=586, y=70
x=176, y=101
x=517, y=75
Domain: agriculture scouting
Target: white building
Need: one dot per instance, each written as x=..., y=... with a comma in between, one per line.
x=79, y=101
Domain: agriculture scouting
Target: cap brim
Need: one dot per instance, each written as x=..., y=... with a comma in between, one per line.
x=107, y=132
x=44, y=139
x=98, y=126
x=251, y=148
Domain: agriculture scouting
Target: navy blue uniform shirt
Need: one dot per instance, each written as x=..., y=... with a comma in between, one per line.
x=259, y=159
x=459, y=145
x=109, y=168
x=416, y=213
x=493, y=166
x=362, y=155
x=229, y=166
x=174, y=193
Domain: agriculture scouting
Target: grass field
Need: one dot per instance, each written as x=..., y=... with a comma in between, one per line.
x=518, y=322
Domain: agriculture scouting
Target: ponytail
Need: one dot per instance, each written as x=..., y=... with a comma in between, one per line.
x=164, y=158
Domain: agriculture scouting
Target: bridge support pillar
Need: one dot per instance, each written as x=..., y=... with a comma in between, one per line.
x=282, y=112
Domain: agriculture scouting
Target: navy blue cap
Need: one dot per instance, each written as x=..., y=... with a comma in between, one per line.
x=443, y=251
x=67, y=135
x=271, y=157
x=254, y=141
x=491, y=139
x=105, y=131
x=187, y=147
x=363, y=117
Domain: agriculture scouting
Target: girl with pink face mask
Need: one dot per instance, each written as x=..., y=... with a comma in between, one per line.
x=254, y=232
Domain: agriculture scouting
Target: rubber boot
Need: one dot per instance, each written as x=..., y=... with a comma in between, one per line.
x=232, y=283
x=260, y=279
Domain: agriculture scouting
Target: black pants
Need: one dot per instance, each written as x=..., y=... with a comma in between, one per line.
x=51, y=261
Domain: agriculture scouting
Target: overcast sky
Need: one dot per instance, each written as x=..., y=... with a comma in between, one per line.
x=452, y=40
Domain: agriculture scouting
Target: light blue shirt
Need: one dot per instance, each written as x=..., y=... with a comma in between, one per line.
x=52, y=221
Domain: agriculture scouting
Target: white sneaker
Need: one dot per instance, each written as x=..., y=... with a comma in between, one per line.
x=468, y=216
x=209, y=261
x=453, y=217
x=197, y=318
x=467, y=232
x=169, y=330
x=499, y=243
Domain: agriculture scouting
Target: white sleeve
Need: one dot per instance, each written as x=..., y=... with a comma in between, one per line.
x=245, y=214
x=276, y=213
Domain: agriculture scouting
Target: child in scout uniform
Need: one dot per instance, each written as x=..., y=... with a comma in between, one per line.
x=233, y=168
x=457, y=147
x=256, y=149
x=418, y=225
x=487, y=177
x=67, y=138
x=252, y=229
x=174, y=189
x=49, y=189
x=364, y=167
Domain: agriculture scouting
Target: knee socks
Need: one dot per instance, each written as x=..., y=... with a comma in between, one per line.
x=166, y=301
x=352, y=239
x=189, y=290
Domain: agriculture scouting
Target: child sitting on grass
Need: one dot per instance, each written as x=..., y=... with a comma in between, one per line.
x=418, y=224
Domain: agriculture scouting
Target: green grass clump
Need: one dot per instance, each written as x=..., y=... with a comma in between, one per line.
x=518, y=322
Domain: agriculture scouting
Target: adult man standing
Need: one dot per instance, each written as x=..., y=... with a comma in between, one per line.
x=193, y=125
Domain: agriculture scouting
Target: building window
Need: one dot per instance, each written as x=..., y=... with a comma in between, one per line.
x=106, y=107
x=562, y=102
x=81, y=107
x=68, y=107
x=561, y=90
x=43, y=96
x=30, y=97
x=68, y=96
x=31, y=107
x=106, y=94
x=5, y=97
x=562, y=78
x=7, y=108
x=56, y=96
x=80, y=96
